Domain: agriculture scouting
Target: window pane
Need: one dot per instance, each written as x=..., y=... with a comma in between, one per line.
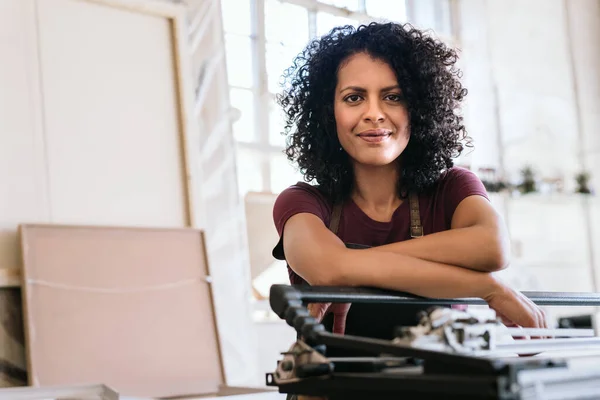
x=249, y=171
x=283, y=174
x=432, y=14
x=349, y=4
x=236, y=16
x=286, y=23
x=239, y=60
x=443, y=24
x=389, y=10
x=244, y=128
x=326, y=22
x=276, y=125
x=278, y=59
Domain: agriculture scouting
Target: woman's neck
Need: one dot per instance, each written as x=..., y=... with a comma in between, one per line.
x=376, y=190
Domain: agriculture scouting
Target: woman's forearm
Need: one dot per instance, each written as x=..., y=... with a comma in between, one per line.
x=387, y=270
x=478, y=248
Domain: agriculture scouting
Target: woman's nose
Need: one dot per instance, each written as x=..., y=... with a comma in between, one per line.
x=374, y=112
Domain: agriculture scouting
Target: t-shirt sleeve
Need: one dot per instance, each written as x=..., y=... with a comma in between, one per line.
x=295, y=200
x=460, y=184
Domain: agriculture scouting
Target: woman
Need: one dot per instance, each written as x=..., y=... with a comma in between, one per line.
x=373, y=118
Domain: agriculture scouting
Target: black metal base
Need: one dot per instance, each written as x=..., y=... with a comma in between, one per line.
x=402, y=372
x=406, y=379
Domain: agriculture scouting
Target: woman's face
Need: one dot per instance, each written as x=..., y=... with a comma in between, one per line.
x=370, y=112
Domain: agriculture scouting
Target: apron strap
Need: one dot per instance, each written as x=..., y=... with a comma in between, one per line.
x=416, y=230
x=335, y=217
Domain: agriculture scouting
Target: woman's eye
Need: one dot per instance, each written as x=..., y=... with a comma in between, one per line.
x=353, y=98
x=394, y=97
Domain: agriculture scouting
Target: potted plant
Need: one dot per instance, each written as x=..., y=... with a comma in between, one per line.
x=528, y=184
x=583, y=179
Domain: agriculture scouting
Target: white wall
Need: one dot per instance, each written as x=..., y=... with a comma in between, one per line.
x=584, y=24
x=532, y=71
x=517, y=67
x=89, y=135
x=85, y=136
x=23, y=194
x=75, y=111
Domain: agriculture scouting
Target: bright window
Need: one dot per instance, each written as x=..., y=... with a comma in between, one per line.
x=243, y=128
x=386, y=9
x=238, y=52
x=327, y=21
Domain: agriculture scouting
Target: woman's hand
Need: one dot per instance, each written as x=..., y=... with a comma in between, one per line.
x=339, y=311
x=513, y=308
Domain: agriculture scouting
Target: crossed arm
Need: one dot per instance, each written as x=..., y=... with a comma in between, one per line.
x=477, y=242
x=451, y=264
x=477, y=239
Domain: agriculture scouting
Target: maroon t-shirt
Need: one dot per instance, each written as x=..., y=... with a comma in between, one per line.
x=356, y=228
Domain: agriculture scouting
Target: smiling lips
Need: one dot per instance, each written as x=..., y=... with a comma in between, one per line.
x=375, y=135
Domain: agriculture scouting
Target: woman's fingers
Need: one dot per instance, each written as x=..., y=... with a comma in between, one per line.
x=522, y=311
x=516, y=308
x=340, y=312
x=505, y=320
x=318, y=310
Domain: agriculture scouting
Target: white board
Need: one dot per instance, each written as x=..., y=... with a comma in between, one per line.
x=111, y=115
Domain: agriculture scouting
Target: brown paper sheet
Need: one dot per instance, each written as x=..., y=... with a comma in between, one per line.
x=127, y=307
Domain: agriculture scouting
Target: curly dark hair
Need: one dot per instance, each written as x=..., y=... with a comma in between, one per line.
x=430, y=83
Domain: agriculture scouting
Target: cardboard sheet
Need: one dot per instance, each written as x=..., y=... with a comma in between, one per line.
x=126, y=307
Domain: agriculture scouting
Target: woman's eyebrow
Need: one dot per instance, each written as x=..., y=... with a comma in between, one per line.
x=390, y=88
x=363, y=90
x=354, y=88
